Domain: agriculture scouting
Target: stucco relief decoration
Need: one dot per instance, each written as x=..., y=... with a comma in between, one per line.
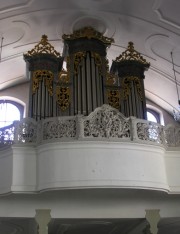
x=172, y=135
x=56, y=128
x=106, y=122
x=26, y=131
x=10, y=6
x=149, y=131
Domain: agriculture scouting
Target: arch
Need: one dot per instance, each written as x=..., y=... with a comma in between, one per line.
x=157, y=113
x=11, y=109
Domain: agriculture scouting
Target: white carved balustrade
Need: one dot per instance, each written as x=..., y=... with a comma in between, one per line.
x=172, y=135
x=26, y=131
x=105, y=123
x=58, y=128
x=147, y=131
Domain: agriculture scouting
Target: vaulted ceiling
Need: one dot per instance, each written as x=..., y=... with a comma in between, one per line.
x=152, y=25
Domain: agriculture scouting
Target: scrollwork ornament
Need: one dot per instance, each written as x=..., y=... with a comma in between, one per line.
x=132, y=55
x=148, y=131
x=98, y=61
x=111, y=79
x=106, y=122
x=27, y=131
x=43, y=47
x=88, y=32
x=63, y=97
x=113, y=96
x=77, y=60
x=56, y=129
x=38, y=76
x=126, y=85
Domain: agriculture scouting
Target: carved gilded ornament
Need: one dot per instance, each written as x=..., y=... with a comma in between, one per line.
x=88, y=32
x=63, y=77
x=98, y=62
x=132, y=54
x=63, y=97
x=113, y=97
x=38, y=77
x=77, y=60
x=43, y=47
x=62, y=91
x=111, y=79
x=126, y=85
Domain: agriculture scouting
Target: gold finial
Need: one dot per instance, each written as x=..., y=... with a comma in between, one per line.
x=43, y=47
x=88, y=32
x=131, y=54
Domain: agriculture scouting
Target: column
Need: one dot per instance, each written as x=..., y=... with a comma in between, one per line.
x=42, y=218
x=153, y=217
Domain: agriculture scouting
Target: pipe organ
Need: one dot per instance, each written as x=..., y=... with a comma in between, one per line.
x=130, y=67
x=87, y=58
x=43, y=66
x=86, y=83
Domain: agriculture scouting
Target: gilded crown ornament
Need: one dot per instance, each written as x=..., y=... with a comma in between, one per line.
x=43, y=47
x=88, y=32
x=130, y=54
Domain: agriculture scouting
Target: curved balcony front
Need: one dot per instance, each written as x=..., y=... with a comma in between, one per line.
x=102, y=150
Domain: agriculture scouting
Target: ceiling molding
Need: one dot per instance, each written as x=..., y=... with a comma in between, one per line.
x=12, y=7
x=162, y=15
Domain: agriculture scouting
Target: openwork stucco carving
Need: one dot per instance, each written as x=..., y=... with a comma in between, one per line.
x=106, y=122
x=149, y=131
x=59, y=128
x=26, y=131
x=172, y=135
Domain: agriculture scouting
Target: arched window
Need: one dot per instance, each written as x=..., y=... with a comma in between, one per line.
x=153, y=116
x=9, y=112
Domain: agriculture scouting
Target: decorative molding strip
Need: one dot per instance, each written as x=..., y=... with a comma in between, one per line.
x=157, y=9
x=14, y=7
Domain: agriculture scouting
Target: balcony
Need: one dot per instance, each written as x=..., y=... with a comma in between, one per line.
x=104, y=149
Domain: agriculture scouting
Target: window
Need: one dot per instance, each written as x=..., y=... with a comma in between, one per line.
x=152, y=117
x=9, y=112
x=155, y=115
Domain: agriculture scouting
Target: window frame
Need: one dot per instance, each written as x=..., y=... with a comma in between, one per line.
x=18, y=105
x=157, y=112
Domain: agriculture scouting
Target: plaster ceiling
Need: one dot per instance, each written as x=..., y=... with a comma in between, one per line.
x=152, y=25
